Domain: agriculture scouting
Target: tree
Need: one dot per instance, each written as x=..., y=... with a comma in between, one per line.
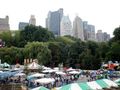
x=38, y=50
x=10, y=55
x=116, y=34
x=74, y=51
x=42, y=34
x=114, y=52
x=92, y=46
x=55, y=53
x=16, y=38
x=6, y=37
x=34, y=33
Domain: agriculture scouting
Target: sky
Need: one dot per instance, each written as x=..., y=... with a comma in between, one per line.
x=104, y=14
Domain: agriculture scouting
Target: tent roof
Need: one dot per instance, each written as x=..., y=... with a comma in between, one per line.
x=40, y=88
x=33, y=65
x=93, y=85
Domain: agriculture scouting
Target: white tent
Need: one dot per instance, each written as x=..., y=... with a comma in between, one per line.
x=20, y=74
x=37, y=75
x=33, y=65
x=45, y=80
x=39, y=88
x=93, y=85
x=70, y=69
x=1, y=71
x=46, y=68
x=49, y=71
x=74, y=72
x=60, y=73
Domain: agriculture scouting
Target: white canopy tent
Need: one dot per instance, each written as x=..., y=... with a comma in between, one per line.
x=20, y=74
x=37, y=75
x=49, y=71
x=70, y=69
x=45, y=80
x=74, y=72
x=60, y=73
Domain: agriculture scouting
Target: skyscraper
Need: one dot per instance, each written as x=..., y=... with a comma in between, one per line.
x=99, y=36
x=89, y=31
x=106, y=37
x=65, y=26
x=53, y=21
x=85, y=30
x=4, y=24
x=78, y=28
x=32, y=20
x=102, y=36
x=22, y=25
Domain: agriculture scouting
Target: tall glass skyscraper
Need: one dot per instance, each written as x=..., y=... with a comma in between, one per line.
x=53, y=21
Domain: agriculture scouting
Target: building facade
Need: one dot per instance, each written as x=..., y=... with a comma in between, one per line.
x=32, y=20
x=102, y=36
x=53, y=21
x=22, y=25
x=78, y=28
x=4, y=24
x=106, y=37
x=65, y=26
x=89, y=31
x=99, y=36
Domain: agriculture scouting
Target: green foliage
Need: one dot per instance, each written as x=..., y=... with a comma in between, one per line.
x=38, y=50
x=7, y=37
x=35, y=33
x=38, y=43
x=10, y=55
x=116, y=34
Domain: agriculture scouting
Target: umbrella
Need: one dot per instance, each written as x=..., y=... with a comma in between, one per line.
x=93, y=85
x=40, y=88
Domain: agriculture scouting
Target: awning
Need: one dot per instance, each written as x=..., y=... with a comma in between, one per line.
x=93, y=85
x=40, y=88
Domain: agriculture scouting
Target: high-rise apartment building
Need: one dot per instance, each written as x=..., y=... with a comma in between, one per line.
x=32, y=20
x=65, y=26
x=89, y=31
x=102, y=36
x=106, y=37
x=4, y=24
x=22, y=25
x=85, y=30
x=99, y=36
x=53, y=21
x=78, y=28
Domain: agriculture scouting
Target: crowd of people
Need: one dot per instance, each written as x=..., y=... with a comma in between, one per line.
x=60, y=80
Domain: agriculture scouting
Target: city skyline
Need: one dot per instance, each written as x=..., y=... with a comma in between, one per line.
x=101, y=13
